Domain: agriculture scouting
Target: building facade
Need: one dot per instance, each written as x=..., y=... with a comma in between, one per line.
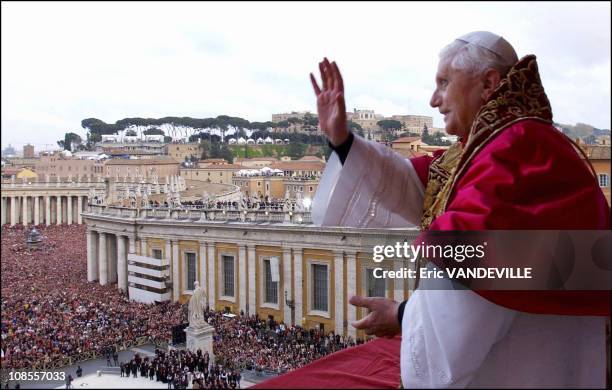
x=28, y=151
x=56, y=165
x=141, y=167
x=414, y=123
x=212, y=173
x=297, y=273
x=599, y=156
x=180, y=151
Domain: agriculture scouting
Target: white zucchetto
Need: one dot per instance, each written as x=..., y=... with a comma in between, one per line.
x=491, y=42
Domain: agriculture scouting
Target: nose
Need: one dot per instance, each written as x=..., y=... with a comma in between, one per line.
x=435, y=99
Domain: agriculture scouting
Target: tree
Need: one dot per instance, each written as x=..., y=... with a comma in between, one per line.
x=425, y=137
x=70, y=141
x=296, y=150
x=154, y=131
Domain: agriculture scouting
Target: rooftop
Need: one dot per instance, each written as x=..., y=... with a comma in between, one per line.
x=153, y=161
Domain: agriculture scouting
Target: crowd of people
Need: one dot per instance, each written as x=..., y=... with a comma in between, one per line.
x=50, y=311
x=253, y=343
x=180, y=368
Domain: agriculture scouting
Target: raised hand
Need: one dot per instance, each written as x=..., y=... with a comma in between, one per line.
x=330, y=102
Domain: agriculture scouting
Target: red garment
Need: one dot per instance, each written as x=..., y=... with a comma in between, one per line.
x=529, y=177
x=351, y=368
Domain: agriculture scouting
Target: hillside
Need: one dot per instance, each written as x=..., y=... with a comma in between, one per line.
x=585, y=132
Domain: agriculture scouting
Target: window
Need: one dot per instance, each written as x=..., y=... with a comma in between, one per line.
x=157, y=254
x=319, y=287
x=375, y=287
x=271, y=280
x=603, y=180
x=310, y=188
x=190, y=260
x=228, y=275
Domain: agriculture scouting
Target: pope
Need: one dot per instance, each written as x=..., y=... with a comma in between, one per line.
x=511, y=169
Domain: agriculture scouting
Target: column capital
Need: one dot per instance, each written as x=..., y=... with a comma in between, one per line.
x=338, y=253
x=287, y=250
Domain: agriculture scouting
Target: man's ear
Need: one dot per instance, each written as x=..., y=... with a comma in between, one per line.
x=490, y=81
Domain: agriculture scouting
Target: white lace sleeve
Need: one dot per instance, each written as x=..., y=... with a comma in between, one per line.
x=376, y=187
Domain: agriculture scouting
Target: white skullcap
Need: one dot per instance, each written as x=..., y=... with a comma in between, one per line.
x=491, y=42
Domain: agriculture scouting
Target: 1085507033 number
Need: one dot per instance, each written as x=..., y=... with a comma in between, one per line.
x=36, y=376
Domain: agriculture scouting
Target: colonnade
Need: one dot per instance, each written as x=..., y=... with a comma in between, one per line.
x=107, y=263
x=43, y=209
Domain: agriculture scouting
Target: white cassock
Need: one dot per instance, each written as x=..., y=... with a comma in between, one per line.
x=456, y=338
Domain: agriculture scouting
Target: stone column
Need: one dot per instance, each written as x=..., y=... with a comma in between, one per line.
x=92, y=256
x=69, y=209
x=176, y=293
x=24, y=210
x=339, y=292
x=252, y=284
x=79, y=209
x=111, y=255
x=3, y=212
x=202, y=265
x=47, y=210
x=121, y=263
x=351, y=281
x=58, y=211
x=286, y=284
x=297, y=274
x=36, y=200
x=13, y=210
x=212, y=296
x=167, y=254
x=242, y=275
x=102, y=259
x=143, y=246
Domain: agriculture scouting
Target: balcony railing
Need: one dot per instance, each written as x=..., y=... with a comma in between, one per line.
x=203, y=213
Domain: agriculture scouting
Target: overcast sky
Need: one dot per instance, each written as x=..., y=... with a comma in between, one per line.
x=64, y=62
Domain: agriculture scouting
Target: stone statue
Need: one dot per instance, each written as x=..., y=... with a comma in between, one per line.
x=299, y=202
x=197, y=303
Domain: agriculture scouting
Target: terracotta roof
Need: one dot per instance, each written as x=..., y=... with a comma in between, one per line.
x=211, y=160
x=406, y=139
x=144, y=161
x=309, y=158
x=242, y=159
x=11, y=171
x=219, y=166
x=299, y=166
x=597, y=152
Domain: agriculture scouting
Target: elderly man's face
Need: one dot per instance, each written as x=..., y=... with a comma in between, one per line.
x=458, y=96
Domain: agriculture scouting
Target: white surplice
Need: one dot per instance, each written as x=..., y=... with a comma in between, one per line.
x=456, y=338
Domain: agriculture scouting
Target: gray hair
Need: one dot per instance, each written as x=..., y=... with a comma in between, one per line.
x=473, y=59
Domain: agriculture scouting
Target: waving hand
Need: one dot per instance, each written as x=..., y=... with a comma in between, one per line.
x=330, y=102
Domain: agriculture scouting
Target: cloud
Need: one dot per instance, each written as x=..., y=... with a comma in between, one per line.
x=65, y=62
